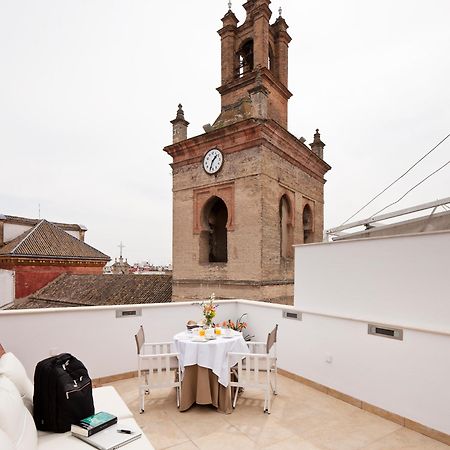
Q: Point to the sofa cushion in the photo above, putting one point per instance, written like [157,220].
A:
[12,368]
[15,420]
[5,441]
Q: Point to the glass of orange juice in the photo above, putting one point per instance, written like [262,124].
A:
[218,330]
[201,332]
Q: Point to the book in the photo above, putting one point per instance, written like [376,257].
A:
[93,424]
[112,437]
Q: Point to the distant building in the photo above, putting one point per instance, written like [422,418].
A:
[70,290]
[38,251]
[121,266]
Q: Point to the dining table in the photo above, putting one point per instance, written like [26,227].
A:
[205,367]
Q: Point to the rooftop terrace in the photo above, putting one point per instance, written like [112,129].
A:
[344,388]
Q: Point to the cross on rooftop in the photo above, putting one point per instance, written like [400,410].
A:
[121,246]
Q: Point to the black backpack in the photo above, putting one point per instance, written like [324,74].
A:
[62,393]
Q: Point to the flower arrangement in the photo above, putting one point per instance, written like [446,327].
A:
[239,325]
[209,310]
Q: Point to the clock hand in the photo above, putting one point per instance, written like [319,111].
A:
[212,162]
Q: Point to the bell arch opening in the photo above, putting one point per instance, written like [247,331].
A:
[286,232]
[245,58]
[307,225]
[213,237]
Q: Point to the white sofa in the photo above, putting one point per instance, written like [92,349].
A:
[17,428]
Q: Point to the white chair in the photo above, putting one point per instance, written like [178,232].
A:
[158,367]
[257,369]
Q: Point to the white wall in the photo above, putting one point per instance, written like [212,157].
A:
[103,342]
[408,377]
[6,287]
[12,230]
[399,280]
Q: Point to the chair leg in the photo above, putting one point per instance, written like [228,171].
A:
[178,396]
[142,389]
[275,391]
[235,397]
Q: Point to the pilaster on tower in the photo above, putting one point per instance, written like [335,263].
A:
[228,40]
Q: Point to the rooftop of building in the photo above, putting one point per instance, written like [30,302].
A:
[47,240]
[70,290]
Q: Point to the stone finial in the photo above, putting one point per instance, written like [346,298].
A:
[180,112]
[179,126]
[229,5]
[317,145]
[280,11]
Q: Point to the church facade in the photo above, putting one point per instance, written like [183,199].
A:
[247,189]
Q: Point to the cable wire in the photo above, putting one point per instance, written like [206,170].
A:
[407,192]
[395,181]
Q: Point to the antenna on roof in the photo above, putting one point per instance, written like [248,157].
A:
[229,5]
[39,210]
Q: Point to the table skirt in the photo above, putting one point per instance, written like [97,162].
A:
[200,385]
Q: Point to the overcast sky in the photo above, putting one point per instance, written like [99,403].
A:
[88,89]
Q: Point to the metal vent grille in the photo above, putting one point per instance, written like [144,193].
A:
[296,315]
[128,312]
[385,331]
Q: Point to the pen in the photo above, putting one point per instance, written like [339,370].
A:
[124,431]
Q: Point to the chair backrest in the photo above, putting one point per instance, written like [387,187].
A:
[272,338]
[140,339]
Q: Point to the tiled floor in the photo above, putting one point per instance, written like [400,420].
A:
[302,418]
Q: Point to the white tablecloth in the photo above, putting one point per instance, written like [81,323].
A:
[211,354]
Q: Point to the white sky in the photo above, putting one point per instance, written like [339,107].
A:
[88,89]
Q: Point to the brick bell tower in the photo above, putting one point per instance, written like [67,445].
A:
[247,189]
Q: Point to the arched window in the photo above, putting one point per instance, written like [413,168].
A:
[307,225]
[271,60]
[285,228]
[245,55]
[213,238]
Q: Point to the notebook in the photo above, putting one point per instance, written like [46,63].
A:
[110,438]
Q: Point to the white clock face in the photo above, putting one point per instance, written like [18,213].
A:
[212,161]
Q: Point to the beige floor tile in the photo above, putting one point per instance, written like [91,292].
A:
[293,443]
[350,432]
[405,439]
[185,446]
[225,441]
[164,434]
[199,422]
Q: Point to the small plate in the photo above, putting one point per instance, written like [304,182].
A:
[210,338]
[228,337]
[199,339]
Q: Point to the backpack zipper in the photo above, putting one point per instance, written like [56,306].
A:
[76,390]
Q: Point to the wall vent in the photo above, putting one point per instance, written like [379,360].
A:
[296,315]
[128,312]
[385,331]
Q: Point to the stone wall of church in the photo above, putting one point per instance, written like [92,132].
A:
[244,237]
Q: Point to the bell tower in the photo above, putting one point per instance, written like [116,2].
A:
[246,190]
[255,62]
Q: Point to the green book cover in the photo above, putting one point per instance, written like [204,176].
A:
[94,423]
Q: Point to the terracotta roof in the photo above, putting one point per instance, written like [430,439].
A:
[46,240]
[95,290]
[31,222]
